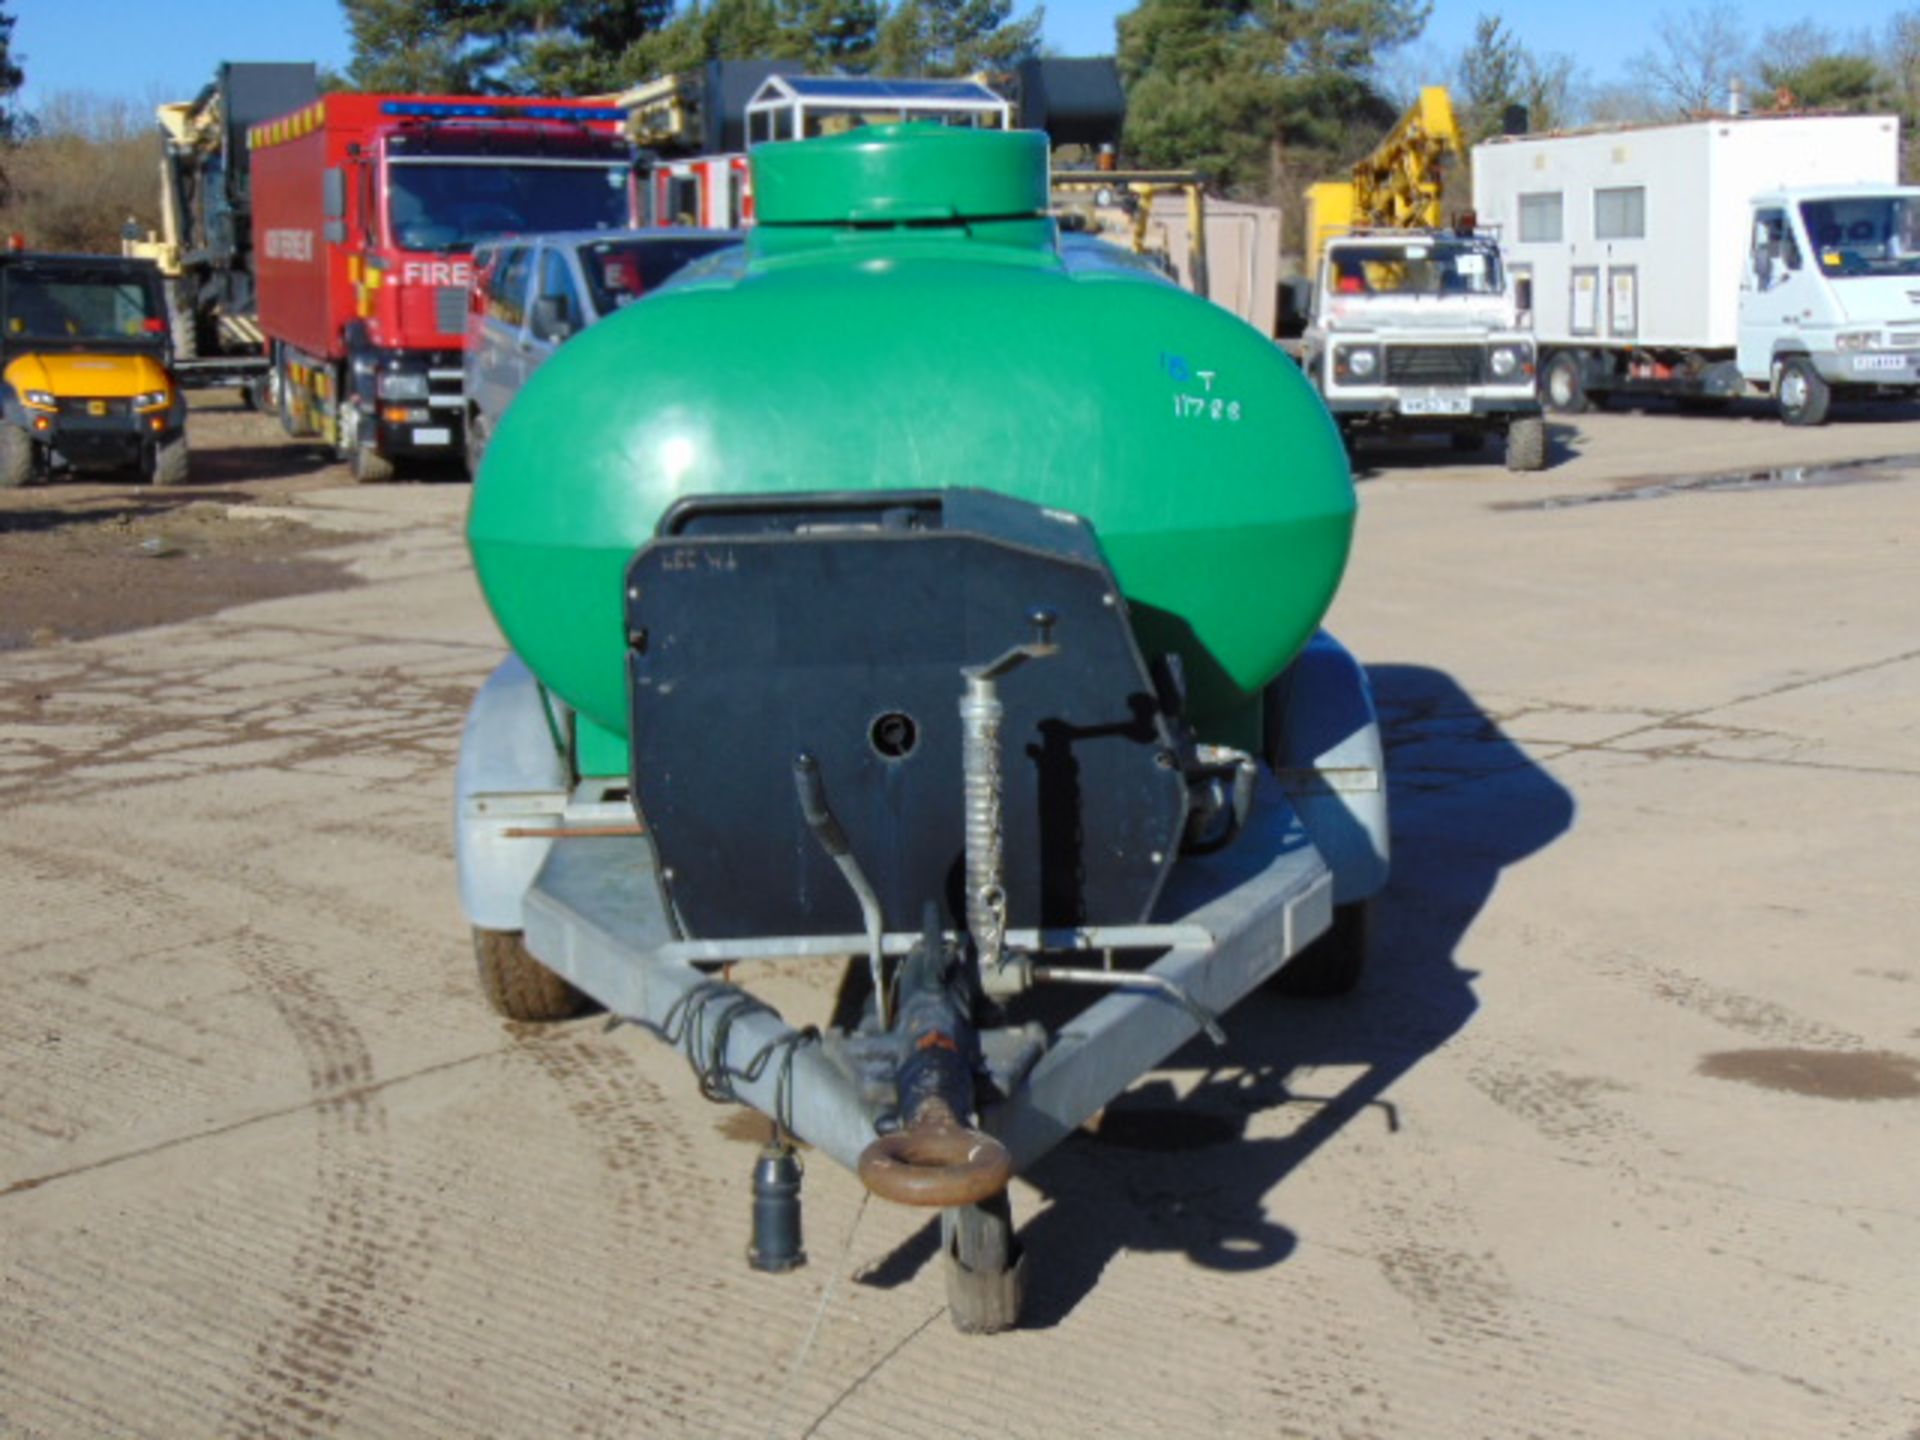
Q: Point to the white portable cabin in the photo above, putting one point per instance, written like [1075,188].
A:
[1635,236]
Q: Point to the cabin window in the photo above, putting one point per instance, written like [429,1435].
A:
[1775,254]
[1540,217]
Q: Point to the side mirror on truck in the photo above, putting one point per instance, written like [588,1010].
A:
[552,318]
[333,199]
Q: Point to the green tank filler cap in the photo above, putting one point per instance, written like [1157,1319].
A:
[902,174]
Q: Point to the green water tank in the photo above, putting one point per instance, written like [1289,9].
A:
[904,316]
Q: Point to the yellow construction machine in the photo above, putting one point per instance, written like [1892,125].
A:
[1398,185]
[1117,205]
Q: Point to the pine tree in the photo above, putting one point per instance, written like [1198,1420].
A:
[831,34]
[422,47]
[1261,95]
[12,124]
[955,37]
[1498,72]
[12,77]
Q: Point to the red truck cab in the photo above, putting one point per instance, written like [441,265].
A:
[366,209]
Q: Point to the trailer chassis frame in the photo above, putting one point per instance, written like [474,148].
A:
[597,915]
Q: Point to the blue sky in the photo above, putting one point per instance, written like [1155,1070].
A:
[140,50]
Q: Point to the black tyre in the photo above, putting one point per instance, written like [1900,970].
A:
[16,457]
[519,986]
[986,1269]
[1564,386]
[183,326]
[293,419]
[476,446]
[170,464]
[368,465]
[1527,443]
[1802,395]
[1333,964]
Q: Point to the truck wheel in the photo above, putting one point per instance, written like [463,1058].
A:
[986,1269]
[1564,386]
[1527,443]
[182,325]
[476,446]
[1331,965]
[1802,395]
[16,457]
[368,465]
[519,986]
[169,464]
[291,419]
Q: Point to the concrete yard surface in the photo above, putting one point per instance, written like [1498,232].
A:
[1617,1137]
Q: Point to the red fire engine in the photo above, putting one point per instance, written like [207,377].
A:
[365,210]
[713,192]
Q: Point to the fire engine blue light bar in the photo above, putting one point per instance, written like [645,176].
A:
[443,110]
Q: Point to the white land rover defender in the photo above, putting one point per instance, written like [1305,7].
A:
[1419,331]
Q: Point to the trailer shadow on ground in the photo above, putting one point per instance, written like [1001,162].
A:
[1189,1160]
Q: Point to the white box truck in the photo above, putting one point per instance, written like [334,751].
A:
[1712,258]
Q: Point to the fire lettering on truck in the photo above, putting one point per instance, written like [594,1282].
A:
[435,272]
[289,244]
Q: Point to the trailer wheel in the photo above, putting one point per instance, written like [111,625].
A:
[1802,395]
[1527,443]
[1565,385]
[1333,964]
[519,986]
[170,463]
[986,1268]
[16,457]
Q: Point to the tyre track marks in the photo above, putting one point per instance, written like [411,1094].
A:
[365,1240]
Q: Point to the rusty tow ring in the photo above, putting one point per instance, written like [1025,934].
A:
[934,1160]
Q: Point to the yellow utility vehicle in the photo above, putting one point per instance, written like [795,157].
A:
[84,378]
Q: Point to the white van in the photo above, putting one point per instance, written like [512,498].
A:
[529,293]
[1714,258]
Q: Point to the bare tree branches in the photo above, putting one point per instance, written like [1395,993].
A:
[1697,58]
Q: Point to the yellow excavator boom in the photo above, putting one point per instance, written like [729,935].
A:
[1397,186]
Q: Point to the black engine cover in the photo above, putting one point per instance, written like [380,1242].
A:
[838,625]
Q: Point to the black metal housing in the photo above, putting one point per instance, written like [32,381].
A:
[764,626]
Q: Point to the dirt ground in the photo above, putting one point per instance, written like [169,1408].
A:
[95,555]
[1615,1139]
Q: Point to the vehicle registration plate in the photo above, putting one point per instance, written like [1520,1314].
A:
[1436,402]
[1880,362]
[439,435]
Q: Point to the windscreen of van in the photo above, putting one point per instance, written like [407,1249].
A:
[619,272]
[1865,234]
